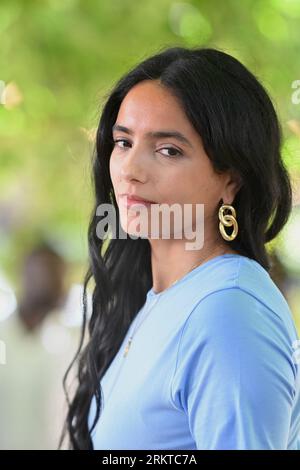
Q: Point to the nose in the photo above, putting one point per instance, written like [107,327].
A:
[133,165]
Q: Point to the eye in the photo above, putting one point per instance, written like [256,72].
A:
[120,140]
[176,152]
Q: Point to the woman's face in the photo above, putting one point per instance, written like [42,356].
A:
[163,169]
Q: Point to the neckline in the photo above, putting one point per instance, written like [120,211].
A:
[153,295]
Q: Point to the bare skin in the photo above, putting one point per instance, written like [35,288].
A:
[145,166]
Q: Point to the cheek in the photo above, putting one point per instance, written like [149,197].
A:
[186,186]
[205,191]
[197,186]
[173,184]
[113,169]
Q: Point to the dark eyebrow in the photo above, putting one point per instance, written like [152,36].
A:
[156,134]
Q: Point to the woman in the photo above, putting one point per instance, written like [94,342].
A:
[188,348]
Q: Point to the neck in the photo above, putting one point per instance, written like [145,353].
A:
[170,261]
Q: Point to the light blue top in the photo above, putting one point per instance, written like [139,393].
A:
[212,366]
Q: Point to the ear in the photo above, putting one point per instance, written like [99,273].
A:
[232,184]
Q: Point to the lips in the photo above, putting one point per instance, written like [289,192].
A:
[129,200]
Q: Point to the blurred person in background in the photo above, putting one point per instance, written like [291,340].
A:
[37,347]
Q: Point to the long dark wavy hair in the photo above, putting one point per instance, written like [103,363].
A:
[238,124]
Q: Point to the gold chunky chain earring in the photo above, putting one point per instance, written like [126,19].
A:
[228,220]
